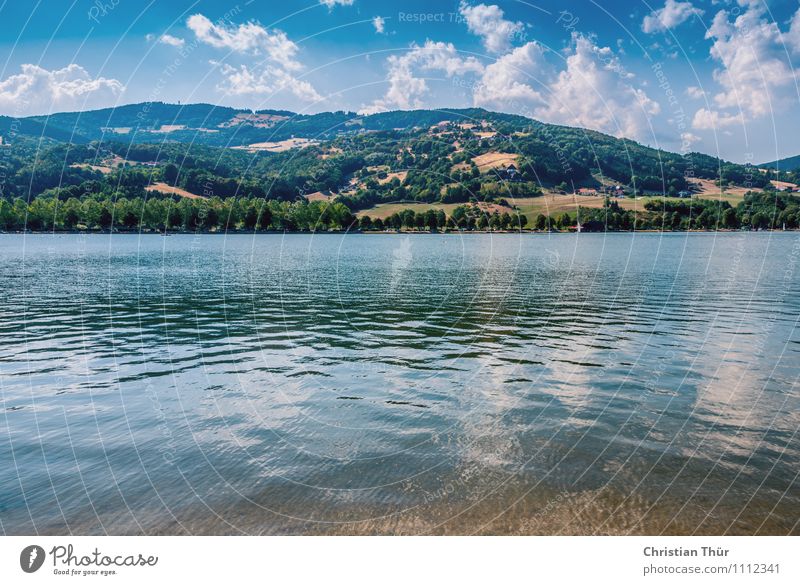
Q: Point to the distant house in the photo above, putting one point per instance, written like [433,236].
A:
[684,194]
[510,173]
[587,191]
[617,190]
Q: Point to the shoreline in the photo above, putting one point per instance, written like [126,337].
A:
[374,232]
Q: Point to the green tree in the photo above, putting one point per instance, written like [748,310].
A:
[190,216]
[759,221]
[250,217]
[432,219]
[71,213]
[129,213]
[459,216]
[409,219]
[174,216]
[170,173]
[210,219]
[7,216]
[105,216]
[441,219]
[265,217]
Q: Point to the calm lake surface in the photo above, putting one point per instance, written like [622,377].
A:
[369,384]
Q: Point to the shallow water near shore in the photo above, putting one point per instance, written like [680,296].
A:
[389,384]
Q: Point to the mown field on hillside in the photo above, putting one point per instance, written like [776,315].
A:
[550,204]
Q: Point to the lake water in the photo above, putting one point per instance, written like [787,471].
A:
[423,384]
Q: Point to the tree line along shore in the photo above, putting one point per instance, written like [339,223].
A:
[757,211]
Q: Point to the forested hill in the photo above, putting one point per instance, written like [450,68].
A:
[445,156]
[207,124]
[218,125]
[223,126]
[791,163]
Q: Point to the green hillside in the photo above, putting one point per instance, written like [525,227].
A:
[427,156]
[791,163]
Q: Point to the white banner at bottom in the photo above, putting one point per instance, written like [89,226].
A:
[380,560]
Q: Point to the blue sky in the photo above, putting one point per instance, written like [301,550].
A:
[713,76]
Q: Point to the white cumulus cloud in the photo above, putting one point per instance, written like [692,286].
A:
[695,92]
[688,140]
[754,74]
[405,88]
[332,3]
[671,15]
[36,90]
[488,23]
[171,41]
[265,81]
[249,38]
[509,81]
[166,39]
[379,23]
[594,91]
[705,119]
[793,35]
[275,72]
